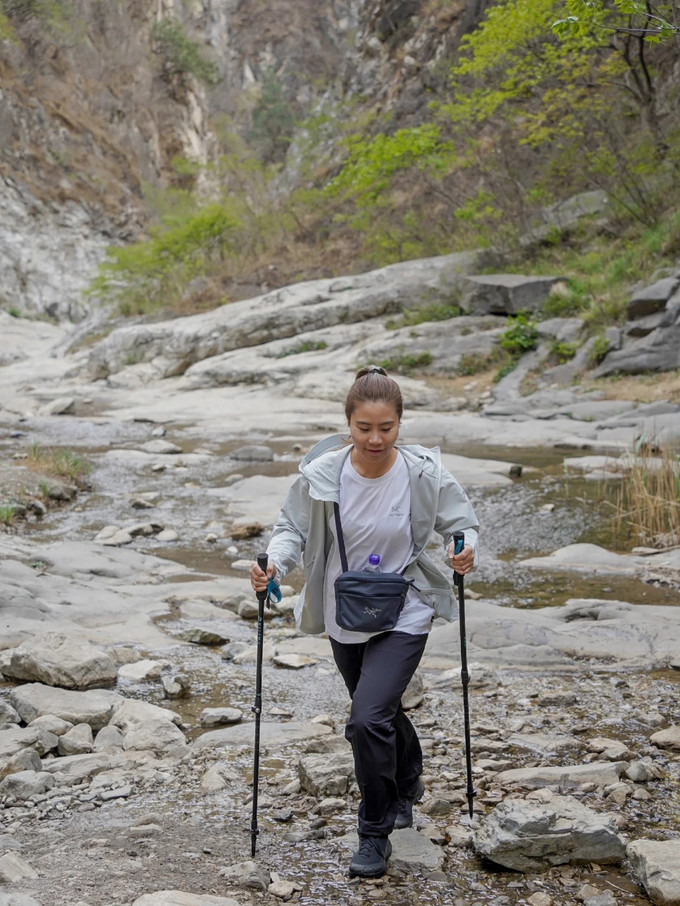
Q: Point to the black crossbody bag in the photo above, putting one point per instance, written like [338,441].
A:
[367,601]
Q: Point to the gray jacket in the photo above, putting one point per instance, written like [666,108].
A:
[302,532]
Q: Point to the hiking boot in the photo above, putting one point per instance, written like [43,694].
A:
[369,860]
[405,813]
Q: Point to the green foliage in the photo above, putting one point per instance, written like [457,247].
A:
[599,350]
[303,346]
[571,300]
[474,363]
[434,312]
[563,351]
[58,461]
[656,22]
[181,55]
[7,513]
[407,363]
[272,120]
[521,334]
[152,273]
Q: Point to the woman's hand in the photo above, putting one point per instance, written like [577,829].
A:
[462,562]
[258,579]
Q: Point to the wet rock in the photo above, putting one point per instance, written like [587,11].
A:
[177,686]
[667,739]
[657,865]
[525,835]
[77,741]
[200,636]
[57,660]
[14,868]
[220,717]
[249,875]
[326,775]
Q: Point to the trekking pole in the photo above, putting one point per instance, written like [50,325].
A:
[459,542]
[262,560]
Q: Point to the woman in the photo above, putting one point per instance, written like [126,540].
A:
[390,499]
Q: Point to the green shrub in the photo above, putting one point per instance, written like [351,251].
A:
[7,511]
[406,364]
[599,350]
[180,54]
[563,351]
[474,363]
[521,334]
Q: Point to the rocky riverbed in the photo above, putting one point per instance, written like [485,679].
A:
[128,638]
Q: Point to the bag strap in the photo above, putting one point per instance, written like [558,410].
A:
[341,538]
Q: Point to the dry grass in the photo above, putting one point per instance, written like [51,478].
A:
[648,499]
[56,463]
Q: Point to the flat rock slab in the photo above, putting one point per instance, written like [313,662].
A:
[182,898]
[657,865]
[533,836]
[272,735]
[57,660]
[602,773]
[411,851]
[94,706]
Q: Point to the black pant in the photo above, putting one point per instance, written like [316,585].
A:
[388,759]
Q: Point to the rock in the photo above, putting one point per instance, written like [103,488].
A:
[160,447]
[25,760]
[200,636]
[63,405]
[412,852]
[130,713]
[283,890]
[657,865]
[246,530]
[253,453]
[14,739]
[524,835]
[140,671]
[25,784]
[563,777]
[643,771]
[293,661]
[52,724]
[326,775]
[504,294]
[57,660]
[77,741]
[8,714]
[413,697]
[272,735]
[159,736]
[667,739]
[220,717]
[249,875]
[78,768]
[177,686]
[167,535]
[13,868]
[109,739]
[182,898]
[651,299]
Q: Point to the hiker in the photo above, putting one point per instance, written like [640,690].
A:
[366,503]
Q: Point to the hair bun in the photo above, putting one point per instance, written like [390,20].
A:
[370,369]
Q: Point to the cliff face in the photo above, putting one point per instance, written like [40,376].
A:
[91,112]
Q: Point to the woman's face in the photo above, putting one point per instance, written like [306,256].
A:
[374,428]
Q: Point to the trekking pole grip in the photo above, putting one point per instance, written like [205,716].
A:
[458,545]
[262,561]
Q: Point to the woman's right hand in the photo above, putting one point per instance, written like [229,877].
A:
[258,579]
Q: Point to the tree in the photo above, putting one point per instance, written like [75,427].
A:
[654,22]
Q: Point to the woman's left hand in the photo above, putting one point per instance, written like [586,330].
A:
[462,562]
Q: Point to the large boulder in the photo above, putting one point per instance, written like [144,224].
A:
[57,660]
[505,294]
[524,835]
[94,707]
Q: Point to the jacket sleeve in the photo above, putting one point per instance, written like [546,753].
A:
[289,535]
[455,513]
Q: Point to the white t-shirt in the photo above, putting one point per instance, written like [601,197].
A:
[376,519]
